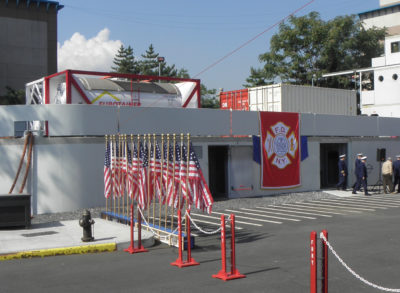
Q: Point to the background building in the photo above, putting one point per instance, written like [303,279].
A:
[28,41]
[388,15]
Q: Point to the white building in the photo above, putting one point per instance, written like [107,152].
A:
[388,15]
[380,84]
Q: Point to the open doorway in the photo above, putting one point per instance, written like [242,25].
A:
[329,158]
[218,171]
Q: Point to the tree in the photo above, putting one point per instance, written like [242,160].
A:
[149,64]
[13,97]
[209,97]
[125,61]
[306,47]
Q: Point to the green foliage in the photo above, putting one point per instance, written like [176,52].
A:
[13,97]
[125,61]
[307,47]
[149,65]
[209,97]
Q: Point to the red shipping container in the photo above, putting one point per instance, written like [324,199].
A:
[235,100]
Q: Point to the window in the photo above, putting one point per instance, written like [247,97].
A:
[395,47]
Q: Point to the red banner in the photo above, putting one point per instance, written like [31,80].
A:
[280,156]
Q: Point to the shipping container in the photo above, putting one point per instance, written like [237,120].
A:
[292,98]
[235,100]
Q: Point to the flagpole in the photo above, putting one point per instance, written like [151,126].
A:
[119,172]
[187,171]
[173,183]
[155,177]
[180,182]
[110,180]
[126,175]
[122,174]
[114,143]
[166,183]
[148,176]
[129,198]
[161,180]
[138,167]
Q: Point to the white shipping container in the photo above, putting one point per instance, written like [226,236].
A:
[303,99]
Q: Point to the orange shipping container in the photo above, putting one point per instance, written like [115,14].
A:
[235,100]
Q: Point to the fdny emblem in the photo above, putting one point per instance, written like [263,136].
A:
[280,145]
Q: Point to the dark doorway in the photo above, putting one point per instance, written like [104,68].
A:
[218,171]
[329,158]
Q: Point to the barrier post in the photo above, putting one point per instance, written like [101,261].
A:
[190,261]
[222,273]
[234,273]
[324,269]
[313,262]
[131,249]
[179,261]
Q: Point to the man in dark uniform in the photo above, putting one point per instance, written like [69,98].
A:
[362,172]
[342,173]
[396,173]
[357,164]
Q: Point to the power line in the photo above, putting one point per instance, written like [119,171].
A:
[252,39]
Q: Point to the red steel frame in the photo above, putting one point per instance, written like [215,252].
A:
[70,81]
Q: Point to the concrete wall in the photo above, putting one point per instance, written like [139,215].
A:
[67,167]
[28,42]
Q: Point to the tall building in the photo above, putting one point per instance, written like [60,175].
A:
[387,15]
[28,41]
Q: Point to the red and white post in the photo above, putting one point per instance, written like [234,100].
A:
[234,273]
[313,262]
[179,261]
[131,249]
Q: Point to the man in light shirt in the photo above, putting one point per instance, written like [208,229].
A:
[387,174]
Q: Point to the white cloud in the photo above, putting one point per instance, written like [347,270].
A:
[94,54]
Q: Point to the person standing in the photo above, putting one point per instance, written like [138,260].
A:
[387,173]
[362,174]
[396,171]
[342,173]
[356,171]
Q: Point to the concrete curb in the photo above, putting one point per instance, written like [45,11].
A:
[106,247]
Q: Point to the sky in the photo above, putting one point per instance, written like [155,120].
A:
[216,41]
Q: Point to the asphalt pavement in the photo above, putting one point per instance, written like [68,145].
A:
[274,257]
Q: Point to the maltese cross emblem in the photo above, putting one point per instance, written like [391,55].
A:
[280,145]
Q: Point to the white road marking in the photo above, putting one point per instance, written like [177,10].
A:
[247,223]
[265,216]
[325,210]
[350,205]
[290,210]
[358,203]
[331,207]
[277,213]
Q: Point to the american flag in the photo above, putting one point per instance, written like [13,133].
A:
[107,171]
[170,176]
[143,164]
[135,173]
[115,168]
[165,176]
[123,168]
[197,185]
[129,171]
[155,170]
